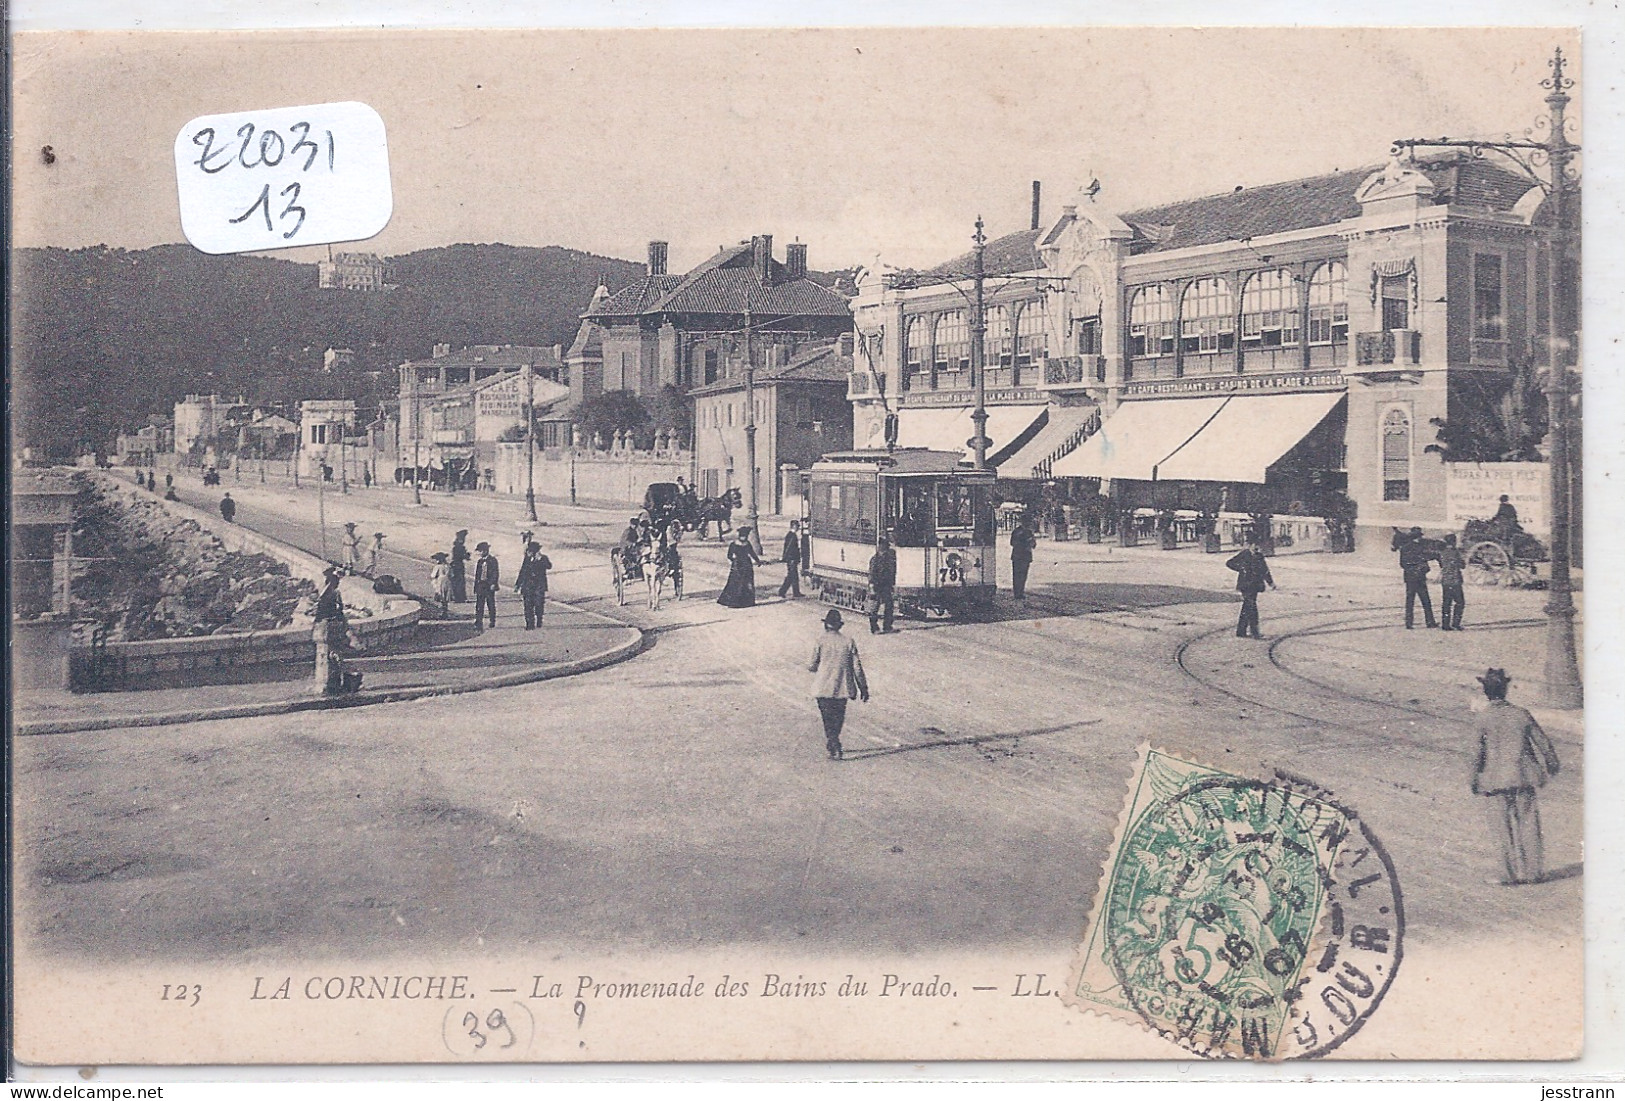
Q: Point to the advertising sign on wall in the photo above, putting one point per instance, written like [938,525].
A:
[1473,492]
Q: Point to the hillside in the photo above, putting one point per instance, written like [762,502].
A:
[102,337]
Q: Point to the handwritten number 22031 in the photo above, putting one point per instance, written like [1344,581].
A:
[269,151]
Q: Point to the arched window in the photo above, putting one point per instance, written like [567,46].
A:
[1269,310]
[1329,304]
[1151,322]
[996,340]
[914,344]
[1032,342]
[951,342]
[1396,455]
[1207,320]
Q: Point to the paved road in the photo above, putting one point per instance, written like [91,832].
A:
[682,800]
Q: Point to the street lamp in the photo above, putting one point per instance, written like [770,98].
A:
[1563,684]
[977,299]
[530,447]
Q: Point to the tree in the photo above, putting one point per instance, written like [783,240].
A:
[1500,420]
[610,412]
[671,409]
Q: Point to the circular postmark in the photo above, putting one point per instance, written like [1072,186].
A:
[1253,919]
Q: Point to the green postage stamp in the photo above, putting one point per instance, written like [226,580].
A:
[1239,916]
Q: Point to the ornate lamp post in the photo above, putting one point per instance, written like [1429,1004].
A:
[1557,153]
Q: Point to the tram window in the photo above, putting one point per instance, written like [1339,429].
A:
[845,511]
[953,505]
[913,527]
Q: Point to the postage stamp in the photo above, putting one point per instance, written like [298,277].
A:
[1239,916]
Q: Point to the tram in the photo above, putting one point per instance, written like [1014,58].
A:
[937,511]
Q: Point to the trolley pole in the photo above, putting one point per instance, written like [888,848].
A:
[530,447]
[750,437]
[978,328]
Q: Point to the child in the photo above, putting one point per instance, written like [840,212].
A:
[440,581]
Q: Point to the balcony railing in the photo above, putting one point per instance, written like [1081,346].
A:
[1393,346]
[1072,370]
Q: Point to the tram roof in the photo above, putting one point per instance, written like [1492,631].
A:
[902,460]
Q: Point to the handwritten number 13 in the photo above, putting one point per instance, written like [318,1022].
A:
[263,204]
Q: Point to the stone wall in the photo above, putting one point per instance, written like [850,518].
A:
[601,477]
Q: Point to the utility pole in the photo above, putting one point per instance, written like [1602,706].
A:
[417,436]
[321,500]
[344,457]
[750,436]
[978,329]
[530,447]
[1563,685]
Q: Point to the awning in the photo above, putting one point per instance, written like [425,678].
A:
[1248,436]
[1228,439]
[1032,461]
[1008,426]
[1133,441]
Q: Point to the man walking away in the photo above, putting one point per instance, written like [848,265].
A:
[532,584]
[1022,542]
[1252,574]
[1413,564]
[486,578]
[228,509]
[882,586]
[1452,597]
[1515,757]
[837,677]
[792,561]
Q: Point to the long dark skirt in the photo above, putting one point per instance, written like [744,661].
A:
[459,584]
[740,591]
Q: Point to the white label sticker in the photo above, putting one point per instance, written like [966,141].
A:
[256,180]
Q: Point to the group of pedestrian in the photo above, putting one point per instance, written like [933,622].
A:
[449,580]
[1416,555]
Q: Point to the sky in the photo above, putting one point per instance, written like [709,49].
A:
[864,143]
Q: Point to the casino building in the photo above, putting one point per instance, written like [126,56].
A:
[1284,349]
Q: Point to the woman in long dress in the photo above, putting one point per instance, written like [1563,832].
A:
[740,591]
[459,576]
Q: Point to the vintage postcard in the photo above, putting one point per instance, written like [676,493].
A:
[1015,543]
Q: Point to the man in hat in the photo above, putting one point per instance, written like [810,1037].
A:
[1252,574]
[882,586]
[375,552]
[228,509]
[487,576]
[1515,757]
[1452,596]
[328,630]
[1414,553]
[1022,543]
[837,677]
[440,581]
[532,583]
[352,548]
[792,561]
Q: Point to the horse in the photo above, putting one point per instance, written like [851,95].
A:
[720,510]
[660,562]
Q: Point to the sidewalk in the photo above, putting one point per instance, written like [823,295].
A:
[447,656]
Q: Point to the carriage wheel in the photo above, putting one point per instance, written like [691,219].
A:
[619,573]
[1488,564]
[1521,575]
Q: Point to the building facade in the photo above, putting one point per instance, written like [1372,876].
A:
[327,435]
[351,271]
[1280,349]
[200,419]
[683,330]
[801,413]
[454,407]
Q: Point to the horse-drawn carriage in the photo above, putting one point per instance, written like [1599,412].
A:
[655,564]
[1499,552]
[667,503]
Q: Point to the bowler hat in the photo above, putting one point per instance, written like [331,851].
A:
[832,618]
[482,546]
[1494,678]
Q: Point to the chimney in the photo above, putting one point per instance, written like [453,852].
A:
[762,258]
[795,261]
[1037,188]
[657,258]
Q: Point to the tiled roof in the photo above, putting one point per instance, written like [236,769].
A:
[1250,212]
[632,300]
[494,355]
[815,363]
[1014,252]
[724,284]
